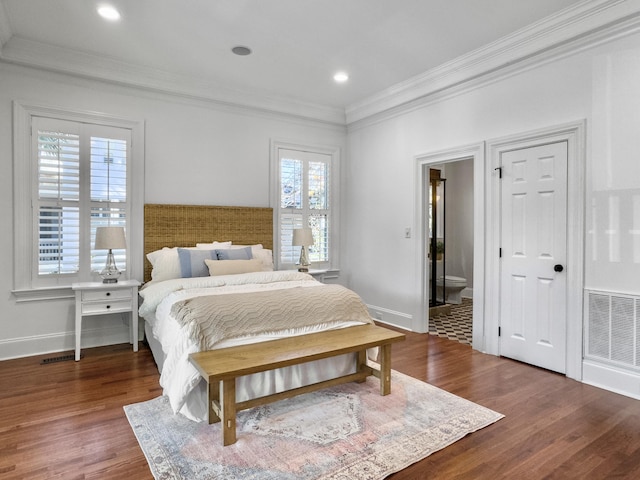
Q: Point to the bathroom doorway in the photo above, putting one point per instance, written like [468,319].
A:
[475,155]
[450,254]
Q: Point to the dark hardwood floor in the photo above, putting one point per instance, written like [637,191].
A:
[65,420]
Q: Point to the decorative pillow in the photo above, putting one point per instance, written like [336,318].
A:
[192,262]
[266,257]
[165,264]
[233,267]
[257,251]
[234,254]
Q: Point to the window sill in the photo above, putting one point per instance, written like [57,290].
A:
[38,294]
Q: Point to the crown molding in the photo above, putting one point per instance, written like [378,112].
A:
[38,55]
[581,25]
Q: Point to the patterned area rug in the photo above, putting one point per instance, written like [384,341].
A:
[344,432]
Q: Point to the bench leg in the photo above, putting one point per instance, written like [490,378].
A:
[229,412]
[214,398]
[362,363]
[385,369]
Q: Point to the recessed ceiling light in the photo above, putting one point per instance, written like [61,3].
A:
[341,77]
[240,50]
[108,13]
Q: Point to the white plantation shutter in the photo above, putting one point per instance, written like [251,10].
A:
[288,221]
[58,196]
[304,186]
[319,224]
[108,193]
[82,183]
[58,240]
[58,164]
[318,202]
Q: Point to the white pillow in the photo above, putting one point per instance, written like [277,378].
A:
[223,245]
[233,267]
[165,264]
[214,245]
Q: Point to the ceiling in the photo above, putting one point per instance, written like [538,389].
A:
[297,44]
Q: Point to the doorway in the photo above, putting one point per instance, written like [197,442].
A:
[450,222]
[473,156]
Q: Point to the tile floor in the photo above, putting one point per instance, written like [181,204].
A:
[455,326]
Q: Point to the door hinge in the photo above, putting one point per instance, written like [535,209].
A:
[500,252]
[499,331]
[499,171]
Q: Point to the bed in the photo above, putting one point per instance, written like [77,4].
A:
[210,283]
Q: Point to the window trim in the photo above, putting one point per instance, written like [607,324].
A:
[334,196]
[23,184]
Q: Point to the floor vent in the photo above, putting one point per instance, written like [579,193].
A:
[63,358]
[613,328]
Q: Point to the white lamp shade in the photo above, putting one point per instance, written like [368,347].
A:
[302,237]
[110,238]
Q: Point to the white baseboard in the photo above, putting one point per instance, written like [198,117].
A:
[390,317]
[62,342]
[611,378]
[467,293]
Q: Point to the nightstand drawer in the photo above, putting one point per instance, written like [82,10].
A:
[106,307]
[115,294]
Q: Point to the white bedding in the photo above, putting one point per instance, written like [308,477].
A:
[180,380]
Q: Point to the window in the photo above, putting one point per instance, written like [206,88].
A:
[76,174]
[68,207]
[304,181]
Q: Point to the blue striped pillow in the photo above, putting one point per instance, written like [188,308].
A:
[192,262]
[235,254]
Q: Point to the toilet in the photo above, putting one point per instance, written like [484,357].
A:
[453,287]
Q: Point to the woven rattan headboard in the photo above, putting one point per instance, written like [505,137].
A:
[186,225]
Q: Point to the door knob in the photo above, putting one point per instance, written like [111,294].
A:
[558,268]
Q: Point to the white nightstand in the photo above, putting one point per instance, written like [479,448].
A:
[325,275]
[97,298]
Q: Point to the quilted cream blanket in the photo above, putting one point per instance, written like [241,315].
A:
[208,320]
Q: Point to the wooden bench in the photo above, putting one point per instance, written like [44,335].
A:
[221,367]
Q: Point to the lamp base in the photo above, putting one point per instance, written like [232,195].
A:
[110,272]
[304,260]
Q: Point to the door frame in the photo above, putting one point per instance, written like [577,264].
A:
[476,153]
[574,134]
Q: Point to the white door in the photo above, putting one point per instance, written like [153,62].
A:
[533,311]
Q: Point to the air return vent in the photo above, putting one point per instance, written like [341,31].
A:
[613,328]
[63,358]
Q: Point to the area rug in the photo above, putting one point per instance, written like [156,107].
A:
[344,432]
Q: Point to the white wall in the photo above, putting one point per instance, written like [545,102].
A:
[196,153]
[382,203]
[613,212]
[601,85]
